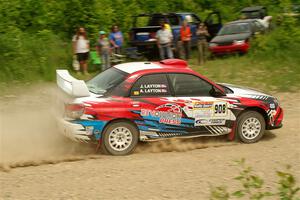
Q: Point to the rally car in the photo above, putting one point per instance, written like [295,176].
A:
[147,101]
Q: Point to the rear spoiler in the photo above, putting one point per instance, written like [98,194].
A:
[71,85]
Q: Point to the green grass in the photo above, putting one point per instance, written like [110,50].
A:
[274,74]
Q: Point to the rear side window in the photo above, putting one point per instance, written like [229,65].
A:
[173,20]
[258,26]
[157,19]
[151,85]
[189,85]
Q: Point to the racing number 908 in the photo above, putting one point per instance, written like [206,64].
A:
[220,108]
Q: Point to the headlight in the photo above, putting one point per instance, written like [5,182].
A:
[276,101]
[238,42]
[213,44]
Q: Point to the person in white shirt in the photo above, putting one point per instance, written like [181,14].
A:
[81,48]
[164,39]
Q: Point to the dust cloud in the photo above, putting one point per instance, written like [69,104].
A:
[28,132]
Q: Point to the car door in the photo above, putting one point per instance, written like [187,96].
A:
[159,116]
[210,115]
[214,23]
[259,28]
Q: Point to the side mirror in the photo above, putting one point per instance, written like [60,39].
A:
[215,92]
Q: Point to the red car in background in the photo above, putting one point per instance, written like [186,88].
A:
[235,36]
[147,101]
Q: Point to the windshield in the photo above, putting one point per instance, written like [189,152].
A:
[252,15]
[106,80]
[235,29]
[155,20]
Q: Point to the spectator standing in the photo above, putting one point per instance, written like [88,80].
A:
[185,35]
[116,39]
[81,48]
[103,48]
[167,25]
[164,38]
[202,35]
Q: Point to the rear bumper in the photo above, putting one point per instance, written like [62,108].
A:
[143,43]
[243,48]
[75,132]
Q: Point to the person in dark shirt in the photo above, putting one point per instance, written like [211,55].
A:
[202,35]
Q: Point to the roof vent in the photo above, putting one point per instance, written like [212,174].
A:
[175,62]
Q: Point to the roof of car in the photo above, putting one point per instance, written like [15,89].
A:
[252,8]
[242,21]
[133,67]
[162,14]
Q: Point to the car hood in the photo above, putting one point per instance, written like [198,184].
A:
[245,91]
[230,38]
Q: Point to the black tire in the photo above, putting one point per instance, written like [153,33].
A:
[122,144]
[250,127]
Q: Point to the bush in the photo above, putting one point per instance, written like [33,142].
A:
[252,186]
[26,56]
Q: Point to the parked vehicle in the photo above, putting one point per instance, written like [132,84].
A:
[254,12]
[145,26]
[148,101]
[235,36]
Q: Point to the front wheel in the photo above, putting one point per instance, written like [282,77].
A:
[250,127]
[119,138]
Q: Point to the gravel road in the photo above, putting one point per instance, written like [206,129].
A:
[37,163]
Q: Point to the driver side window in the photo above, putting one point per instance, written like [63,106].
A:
[189,85]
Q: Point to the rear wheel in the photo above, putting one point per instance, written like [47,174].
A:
[119,138]
[251,127]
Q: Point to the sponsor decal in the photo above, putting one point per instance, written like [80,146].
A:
[167,114]
[203,105]
[205,122]
[148,86]
[136,93]
[202,113]
[202,109]
[153,88]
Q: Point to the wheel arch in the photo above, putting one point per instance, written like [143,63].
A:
[260,111]
[120,120]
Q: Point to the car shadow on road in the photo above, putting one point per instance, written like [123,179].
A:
[268,136]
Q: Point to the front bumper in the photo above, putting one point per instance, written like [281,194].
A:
[75,132]
[277,121]
[230,48]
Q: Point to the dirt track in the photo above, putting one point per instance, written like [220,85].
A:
[169,170]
